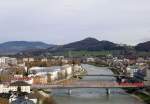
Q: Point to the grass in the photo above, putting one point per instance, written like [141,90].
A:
[144,97]
[84,53]
[143,54]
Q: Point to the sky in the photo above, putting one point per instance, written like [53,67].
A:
[64,21]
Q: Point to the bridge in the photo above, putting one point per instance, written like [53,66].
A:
[114,75]
[88,84]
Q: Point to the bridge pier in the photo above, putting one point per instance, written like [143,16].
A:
[107,91]
[69,91]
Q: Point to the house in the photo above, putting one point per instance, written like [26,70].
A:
[131,70]
[40,79]
[65,61]
[6,88]
[28,80]
[25,87]
[22,98]
[58,57]
[90,59]
[77,68]
[69,70]
[8,60]
[28,59]
[44,59]
[147,77]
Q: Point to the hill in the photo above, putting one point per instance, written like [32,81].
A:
[13,47]
[88,44]
[145,46]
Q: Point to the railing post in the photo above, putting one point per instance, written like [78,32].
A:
[107,91]
[69,91]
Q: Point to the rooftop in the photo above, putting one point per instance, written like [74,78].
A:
[19,83]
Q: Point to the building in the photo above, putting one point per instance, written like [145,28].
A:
[28,59]
[5,88]
[131,70]
[40,79]
[28,80]
[68,69]
[58,57]
[44,59]
[147,77]
[20,98]
[8,60]
[41,74]
[90,59]
[25,87]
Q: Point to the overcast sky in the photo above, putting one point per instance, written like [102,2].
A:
[64,21]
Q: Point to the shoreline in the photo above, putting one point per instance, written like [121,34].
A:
[43,97]
[137,95]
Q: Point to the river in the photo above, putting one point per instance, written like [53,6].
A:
[94,96]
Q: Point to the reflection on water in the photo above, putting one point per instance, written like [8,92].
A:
[94,96]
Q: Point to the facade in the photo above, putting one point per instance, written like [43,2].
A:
[40,80]
[90,59]
[147,77]
[58,57]
[44,60]
[50,74]
[14,87]
[131,70]
[8,60]
[28,59]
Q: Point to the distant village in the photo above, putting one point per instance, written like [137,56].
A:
[18,74]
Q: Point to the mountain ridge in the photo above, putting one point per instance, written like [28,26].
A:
[87,44]
[13,47]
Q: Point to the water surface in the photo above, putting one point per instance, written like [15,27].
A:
[94,96]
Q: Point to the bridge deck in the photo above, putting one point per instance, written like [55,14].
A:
[89,84]
[109,75]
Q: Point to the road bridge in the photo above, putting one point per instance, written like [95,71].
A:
[88,84]
[114,75]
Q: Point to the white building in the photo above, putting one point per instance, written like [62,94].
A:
[58,57]
[147,77]
[14,87]
[41,71]
[131,70]
[68,69]
[28,59]
[53,71]
[8,60]
[90,59]
[44,59]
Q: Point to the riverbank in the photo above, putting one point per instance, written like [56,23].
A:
[144,97]
[4,101]
[139,95]
[98,65]
[43,97]
[73,78]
